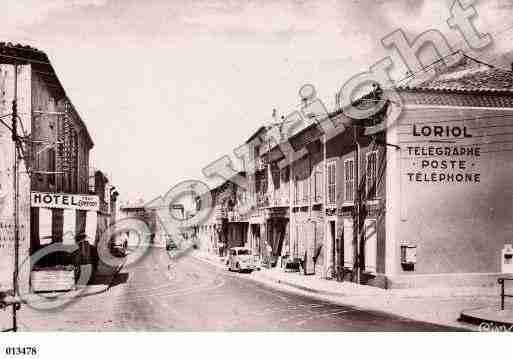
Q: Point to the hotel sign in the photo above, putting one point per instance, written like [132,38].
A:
[65,201]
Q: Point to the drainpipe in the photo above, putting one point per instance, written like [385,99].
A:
[292,218]
[356,234]
[325,201]
[16,197]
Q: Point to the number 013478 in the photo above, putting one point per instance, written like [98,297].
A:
[27,350]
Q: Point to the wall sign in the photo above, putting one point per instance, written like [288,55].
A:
[65,201]
[442,159]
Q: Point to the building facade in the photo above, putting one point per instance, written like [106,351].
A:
[449,198]
[416,195]
[99,222]
[227,226]
[432,205]
[53,152]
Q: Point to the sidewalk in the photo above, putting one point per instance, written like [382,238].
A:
[435,305]
[491,317]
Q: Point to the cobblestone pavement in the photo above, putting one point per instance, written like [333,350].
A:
[160,293]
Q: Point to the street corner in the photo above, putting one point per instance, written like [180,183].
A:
[489,319]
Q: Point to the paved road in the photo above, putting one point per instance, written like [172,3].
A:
[189,294]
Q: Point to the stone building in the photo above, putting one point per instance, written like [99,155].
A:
[448,194]
[435,205]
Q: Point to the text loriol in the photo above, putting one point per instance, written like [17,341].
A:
[441,131]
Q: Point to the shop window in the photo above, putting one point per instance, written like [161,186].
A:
[348,244]
[68,227]
[370,246]
[45,226]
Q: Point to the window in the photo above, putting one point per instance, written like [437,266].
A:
[371,174]
[370,246]
[45,226]
[332,167]
[257,152]
[257,159]
[285,185]
[51,166]
[295,248]
[296,190]
[68,153]
[275,181]
[348,241]
[304,189]
[349,180]
[317,185]
[92,180]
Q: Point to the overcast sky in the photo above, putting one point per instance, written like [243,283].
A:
[166,87]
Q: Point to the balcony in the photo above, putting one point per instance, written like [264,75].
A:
[317,198]
[220,213]
[236,216]
[279,199]
[262,200]
[260,164]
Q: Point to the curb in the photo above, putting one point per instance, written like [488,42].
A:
[263,278]
[335,296]
[301,287]
[477,317]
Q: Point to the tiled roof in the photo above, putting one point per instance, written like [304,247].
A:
[20,52]
[23,54]
[462,74]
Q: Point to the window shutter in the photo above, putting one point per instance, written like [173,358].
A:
[348,244]
[370,246]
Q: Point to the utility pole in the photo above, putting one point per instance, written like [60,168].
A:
[16,195]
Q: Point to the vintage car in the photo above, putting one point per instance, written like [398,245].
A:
[119,245]
[240,259]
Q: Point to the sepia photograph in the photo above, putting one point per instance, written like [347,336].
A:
[230,166]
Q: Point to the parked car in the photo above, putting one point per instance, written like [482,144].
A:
[119,245]
[171,244]
[257,261]
[240,259]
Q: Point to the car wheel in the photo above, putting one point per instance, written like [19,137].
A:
[237,267]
